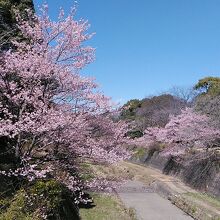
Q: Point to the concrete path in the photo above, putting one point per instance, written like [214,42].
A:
[148,204]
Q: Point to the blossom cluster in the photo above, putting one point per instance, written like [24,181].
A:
[47,108]
[185,130]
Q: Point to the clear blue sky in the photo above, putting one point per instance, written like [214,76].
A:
[147,46]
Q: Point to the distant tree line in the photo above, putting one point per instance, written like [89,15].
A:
[155,111]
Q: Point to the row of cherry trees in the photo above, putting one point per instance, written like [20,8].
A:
[186,130]
[49,112]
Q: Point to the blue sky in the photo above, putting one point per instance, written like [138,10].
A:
[144,47]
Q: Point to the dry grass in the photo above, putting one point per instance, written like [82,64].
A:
[124,171]
[213,201]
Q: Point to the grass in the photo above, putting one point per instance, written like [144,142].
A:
[214,202]
[195,204]
[108,207]
[139,152]
[124,171]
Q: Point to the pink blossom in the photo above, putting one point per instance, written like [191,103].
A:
[46,106]
[185,130]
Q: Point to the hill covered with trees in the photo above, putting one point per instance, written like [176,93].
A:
[151,112]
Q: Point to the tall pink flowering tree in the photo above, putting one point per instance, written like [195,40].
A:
[182,131]
[48,111]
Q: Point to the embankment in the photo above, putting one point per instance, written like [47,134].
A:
[198,169]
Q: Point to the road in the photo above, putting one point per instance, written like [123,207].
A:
[148,204]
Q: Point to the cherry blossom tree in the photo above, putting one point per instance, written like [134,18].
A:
[182,131]
[48,111]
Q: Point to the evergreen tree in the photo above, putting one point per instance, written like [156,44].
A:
[209,86]
[8,27]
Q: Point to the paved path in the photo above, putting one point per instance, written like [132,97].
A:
[148,204]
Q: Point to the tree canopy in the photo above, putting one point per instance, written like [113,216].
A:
[8,22]
[209,85]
